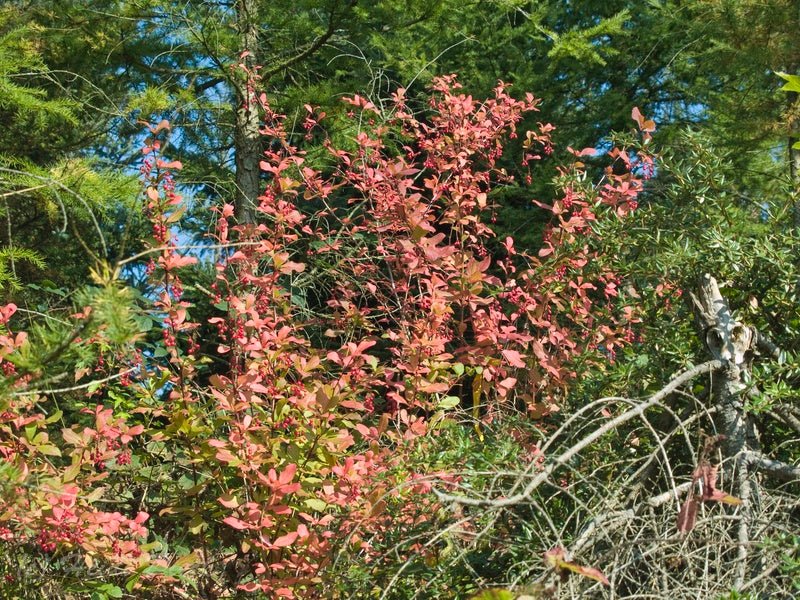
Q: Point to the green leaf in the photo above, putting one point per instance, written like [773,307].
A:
[144,323]
[449,402]
[49,450]
[111,590]
[793,82]
[132,581]
[316,504]
[494,595]
[151,546]
[197,524]
[54,417]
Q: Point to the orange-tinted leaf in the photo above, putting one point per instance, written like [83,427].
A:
[228,500]
[556,558]
[163,124]
[71,437]
[720,496]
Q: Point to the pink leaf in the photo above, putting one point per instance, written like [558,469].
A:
[285,540]
[645,125]
[584,152]
[6,312]
[235,523]
[513,358]
[287,474]
[225,456]
[176,261]
[687,517]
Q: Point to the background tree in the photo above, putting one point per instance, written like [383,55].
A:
[58,207]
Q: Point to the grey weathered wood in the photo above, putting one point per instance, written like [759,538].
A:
[731,342]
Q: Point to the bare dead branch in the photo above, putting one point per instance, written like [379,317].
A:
[781,413]
[765,345]
[564,457]
[775,468]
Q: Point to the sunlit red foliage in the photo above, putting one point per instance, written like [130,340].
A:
[301,442]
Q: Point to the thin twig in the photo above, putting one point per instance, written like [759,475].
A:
[77,387]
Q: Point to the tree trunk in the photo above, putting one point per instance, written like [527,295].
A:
[733,343]
[793,112]
[794,137]
[247,140]
[794,153]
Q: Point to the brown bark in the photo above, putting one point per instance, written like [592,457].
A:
[793,112]
[247,140]
[794,153]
